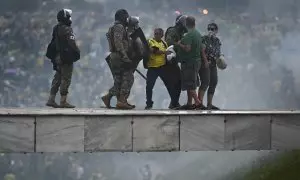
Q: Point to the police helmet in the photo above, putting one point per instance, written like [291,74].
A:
[181,20]
[134,22]
[64,16]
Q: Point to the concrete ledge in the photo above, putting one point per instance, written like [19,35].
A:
[17,134]
[113,112]
[95,130]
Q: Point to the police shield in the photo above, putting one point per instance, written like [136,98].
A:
[141,45]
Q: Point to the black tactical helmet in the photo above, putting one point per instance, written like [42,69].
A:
[64,16]
[122,16]
[181,23]
[178,17]
[181,20]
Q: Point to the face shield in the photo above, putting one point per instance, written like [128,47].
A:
[181,22]
[133,22]
[68,14]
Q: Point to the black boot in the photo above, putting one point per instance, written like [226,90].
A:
[212,107]
[106,100]
[51,102]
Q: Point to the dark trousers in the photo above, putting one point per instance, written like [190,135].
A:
[173,77]
[152,75]
[209,78]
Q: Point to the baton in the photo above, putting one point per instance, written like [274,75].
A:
[139,72]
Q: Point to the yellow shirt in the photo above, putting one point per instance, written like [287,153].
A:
[155,59]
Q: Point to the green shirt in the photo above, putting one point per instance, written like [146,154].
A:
[193,38]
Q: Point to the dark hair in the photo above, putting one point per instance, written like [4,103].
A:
[213,25]
[159,29]
[190,21]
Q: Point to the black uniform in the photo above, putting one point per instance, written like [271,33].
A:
[172,70]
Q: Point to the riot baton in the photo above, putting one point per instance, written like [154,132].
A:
[141,74]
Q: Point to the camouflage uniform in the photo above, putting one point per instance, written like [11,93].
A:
[64,67]
[121,66]
[172,70]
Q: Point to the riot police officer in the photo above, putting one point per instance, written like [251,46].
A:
[67,52]
[172,36]
[119,62]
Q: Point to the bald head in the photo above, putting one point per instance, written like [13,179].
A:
[190,22]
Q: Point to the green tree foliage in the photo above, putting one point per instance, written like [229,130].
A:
[284,166]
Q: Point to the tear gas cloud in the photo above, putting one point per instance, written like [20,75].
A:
[259,40]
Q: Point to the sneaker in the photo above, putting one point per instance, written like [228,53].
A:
[188,107]
[176,107]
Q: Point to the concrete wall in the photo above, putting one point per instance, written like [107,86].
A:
[92,130]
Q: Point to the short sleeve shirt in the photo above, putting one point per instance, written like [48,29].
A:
[194,39]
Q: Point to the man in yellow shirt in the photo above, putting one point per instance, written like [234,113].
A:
[155,64]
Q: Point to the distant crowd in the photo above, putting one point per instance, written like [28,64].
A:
[253,80]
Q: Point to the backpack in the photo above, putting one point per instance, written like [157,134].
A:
[52,51]
[67,54]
